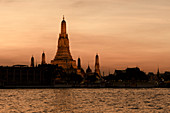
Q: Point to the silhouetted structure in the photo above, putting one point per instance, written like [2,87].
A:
[32,62]
[80,70]
[43,59]
[88,70]
[63,57]
[22,75]
[130,74]
[97,67]
[79,63]
[63,72]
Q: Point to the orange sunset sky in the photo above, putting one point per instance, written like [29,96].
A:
[125,33]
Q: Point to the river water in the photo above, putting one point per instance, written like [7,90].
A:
[102,100]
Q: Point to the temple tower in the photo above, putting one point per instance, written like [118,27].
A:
[63,56]
[97,67]
[88,70]
[80,71]
[43,59]
[32,62]
[79,64]
[158,73]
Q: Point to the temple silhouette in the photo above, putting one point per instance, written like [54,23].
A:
[63,72]
[63,56]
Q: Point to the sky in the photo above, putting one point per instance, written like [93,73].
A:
[124,33]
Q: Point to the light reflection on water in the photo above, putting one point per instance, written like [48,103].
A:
[85,100]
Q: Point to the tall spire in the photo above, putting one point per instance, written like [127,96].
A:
[63,26]
[97,67]
[79,63]
[158,73]
[97,60]
[63,56]
[43,58]
[32,61]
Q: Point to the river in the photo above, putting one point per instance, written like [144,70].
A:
[78,100]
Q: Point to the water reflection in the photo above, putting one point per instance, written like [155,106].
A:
[84,100]
[64,100]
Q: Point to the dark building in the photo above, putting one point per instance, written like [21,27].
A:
[135,74]
[22,75]
[130,74]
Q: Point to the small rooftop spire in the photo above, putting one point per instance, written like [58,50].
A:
[63,17]
[158,70]
[36,64]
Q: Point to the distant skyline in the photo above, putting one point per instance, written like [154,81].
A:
[125,33]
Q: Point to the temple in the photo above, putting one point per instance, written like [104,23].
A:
[63,72]
[63,56]
[43,58]
[32,62]
[97,67]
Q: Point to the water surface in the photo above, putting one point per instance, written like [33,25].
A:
[154,100]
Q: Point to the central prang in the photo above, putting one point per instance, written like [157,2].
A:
[63,56]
